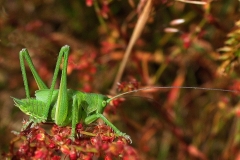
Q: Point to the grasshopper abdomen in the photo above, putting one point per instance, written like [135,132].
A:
[31,107]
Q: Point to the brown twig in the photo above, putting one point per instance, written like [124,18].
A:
[136,33]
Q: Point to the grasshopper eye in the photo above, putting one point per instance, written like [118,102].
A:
[104,103]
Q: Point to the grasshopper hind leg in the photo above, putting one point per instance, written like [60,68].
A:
[76,116]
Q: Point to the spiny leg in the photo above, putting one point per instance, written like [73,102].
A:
[62,100]
[76,116]
[41,85]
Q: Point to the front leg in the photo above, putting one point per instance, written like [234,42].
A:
[95,116]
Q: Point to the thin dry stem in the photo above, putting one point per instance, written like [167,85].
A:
[136,33]
[193,2]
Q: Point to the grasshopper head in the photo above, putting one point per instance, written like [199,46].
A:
[103,99]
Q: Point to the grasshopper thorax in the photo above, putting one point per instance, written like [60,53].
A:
[94,102]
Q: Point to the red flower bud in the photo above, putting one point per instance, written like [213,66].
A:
[65,149]
[40,136]
[73,155]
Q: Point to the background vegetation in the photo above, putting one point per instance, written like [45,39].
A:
[181,44]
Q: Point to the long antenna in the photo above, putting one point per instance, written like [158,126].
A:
[172,87]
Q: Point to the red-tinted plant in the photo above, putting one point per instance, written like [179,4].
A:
[93,141]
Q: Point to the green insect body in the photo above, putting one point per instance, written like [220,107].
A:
[62,106]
